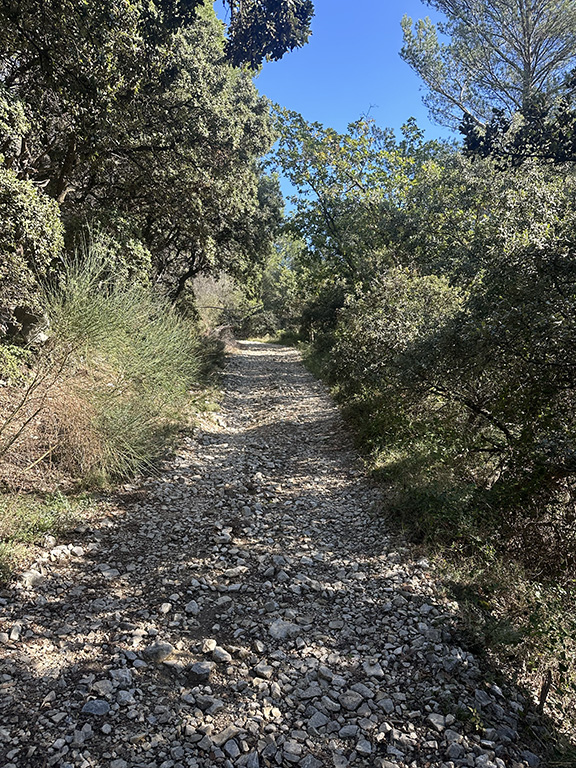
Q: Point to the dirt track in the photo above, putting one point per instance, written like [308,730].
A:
[246,608]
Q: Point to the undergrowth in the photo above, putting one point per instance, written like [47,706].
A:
[517,605]
[127,361]
[121,375]
[25,520]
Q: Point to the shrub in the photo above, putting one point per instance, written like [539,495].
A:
[115,245]
[130,363]
[30,241]
[379,329]
[386,385]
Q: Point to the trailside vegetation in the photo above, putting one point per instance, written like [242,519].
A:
[439,296]
[134,122]
[440,303]
[131,138]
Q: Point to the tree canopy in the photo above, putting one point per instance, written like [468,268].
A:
[350,187]
[59,34]
[543,130]
[267,28]
[491,54]
[135,122]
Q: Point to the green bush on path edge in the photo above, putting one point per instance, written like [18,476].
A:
[524,623]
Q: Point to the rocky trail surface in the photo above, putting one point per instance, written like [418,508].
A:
[246,608]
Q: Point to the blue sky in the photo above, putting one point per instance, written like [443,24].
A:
[350,66]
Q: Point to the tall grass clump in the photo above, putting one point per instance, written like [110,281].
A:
[131,361]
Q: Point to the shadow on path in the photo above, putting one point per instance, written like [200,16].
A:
[261,537]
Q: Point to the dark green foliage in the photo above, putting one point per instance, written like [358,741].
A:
[503,74]
[133,121]
[267,28]
[127,120]
[30,244]
[88,40]
[383,364]
[130,142]
[543,130]
[193,186]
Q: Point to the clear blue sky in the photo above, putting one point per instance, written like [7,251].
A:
[350,65]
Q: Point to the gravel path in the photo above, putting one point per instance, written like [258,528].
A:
[246,608]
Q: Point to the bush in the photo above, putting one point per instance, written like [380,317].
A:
[30,242]
[115,245]
[468,395]
[384,381]
[379,329]
[130,362]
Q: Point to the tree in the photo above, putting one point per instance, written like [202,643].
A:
[280,290]
[138,126]
[351,188]
[457,363]
[267,28]
[499,54]
[540,131]
[82,39]
[183,163]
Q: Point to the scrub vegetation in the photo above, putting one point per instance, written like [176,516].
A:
[436,295]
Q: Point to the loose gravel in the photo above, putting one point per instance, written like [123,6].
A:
[246,608]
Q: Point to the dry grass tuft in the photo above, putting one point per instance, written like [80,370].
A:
[47,435]
[27,440]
